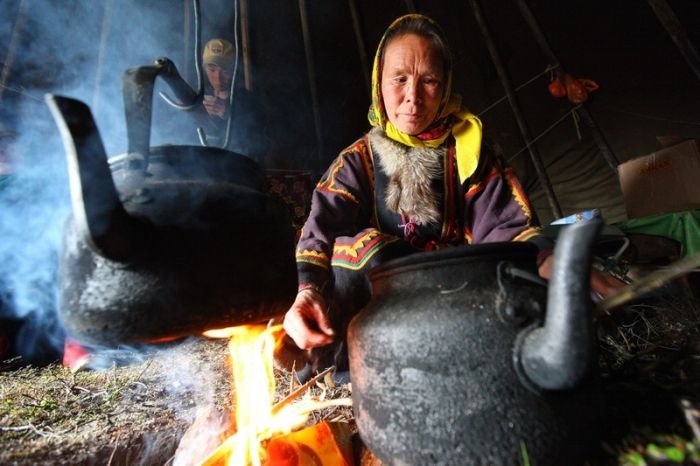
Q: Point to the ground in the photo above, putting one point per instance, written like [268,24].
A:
[649,358]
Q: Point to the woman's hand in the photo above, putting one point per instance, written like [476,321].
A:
[306,321]
[602,284]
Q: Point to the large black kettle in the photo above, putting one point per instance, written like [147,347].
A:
[461,358]
[165,241]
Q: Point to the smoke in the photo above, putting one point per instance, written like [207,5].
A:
[78,49]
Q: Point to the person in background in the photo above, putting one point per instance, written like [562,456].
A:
[218,60]
[421,179]
[247,130]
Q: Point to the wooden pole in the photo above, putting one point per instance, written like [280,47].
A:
[245,45]
[311,71]
[512,99]
[582,111]
[648,283]
[187,39]
[675,29]
[361,46]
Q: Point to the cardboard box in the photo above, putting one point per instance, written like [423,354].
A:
[664,181]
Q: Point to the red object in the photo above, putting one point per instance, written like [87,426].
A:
[576,89]
[281,453]
[75,355]
[556,88]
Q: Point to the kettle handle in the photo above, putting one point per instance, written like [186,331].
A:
[137,93]
[559,355]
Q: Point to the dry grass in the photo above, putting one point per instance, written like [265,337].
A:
[650,364]
[131,414]
[136,413]
[49,415]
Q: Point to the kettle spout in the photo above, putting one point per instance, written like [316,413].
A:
[100,218]
[559,355]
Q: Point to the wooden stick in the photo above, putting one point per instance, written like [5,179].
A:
[311,74]
[245,44]
[361,47]
[649,283]
[598,136]
[299,391]
[691,416]
[515,108]
[217,455]
[675,29]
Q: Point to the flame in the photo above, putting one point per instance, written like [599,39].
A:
[257,418]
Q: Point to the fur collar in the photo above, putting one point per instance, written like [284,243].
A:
[411,171]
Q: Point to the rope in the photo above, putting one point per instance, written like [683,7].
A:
[551,127]
[548,69]
[526,83]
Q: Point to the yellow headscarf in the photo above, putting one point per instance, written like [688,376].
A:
[464,126]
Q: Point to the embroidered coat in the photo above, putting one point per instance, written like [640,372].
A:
[378,192]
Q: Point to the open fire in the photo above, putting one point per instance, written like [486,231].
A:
[262,427]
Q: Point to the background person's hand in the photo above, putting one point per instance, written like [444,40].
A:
[306,321]
[216,106]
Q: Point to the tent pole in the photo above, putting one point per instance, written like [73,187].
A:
[582,111]
[311,71]
[245,45]
[675,29]
[12,48]
[361,46]
[187,34]
[512,99]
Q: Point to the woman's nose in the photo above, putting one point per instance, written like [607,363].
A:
[413,93]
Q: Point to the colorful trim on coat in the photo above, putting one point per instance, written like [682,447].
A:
[527,234]
[518,193]
[353,253]
[317,258]
[328,183]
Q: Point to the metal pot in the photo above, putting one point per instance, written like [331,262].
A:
[165,241]
[451,364]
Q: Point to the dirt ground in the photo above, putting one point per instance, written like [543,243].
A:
[136,413]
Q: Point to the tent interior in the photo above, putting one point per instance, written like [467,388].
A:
[307,66]
[302,92]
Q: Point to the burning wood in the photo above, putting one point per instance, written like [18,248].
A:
[263,429]
[323,444]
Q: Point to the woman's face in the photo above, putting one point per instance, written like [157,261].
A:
[412,83]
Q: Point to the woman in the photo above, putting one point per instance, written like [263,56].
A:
[419,180]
